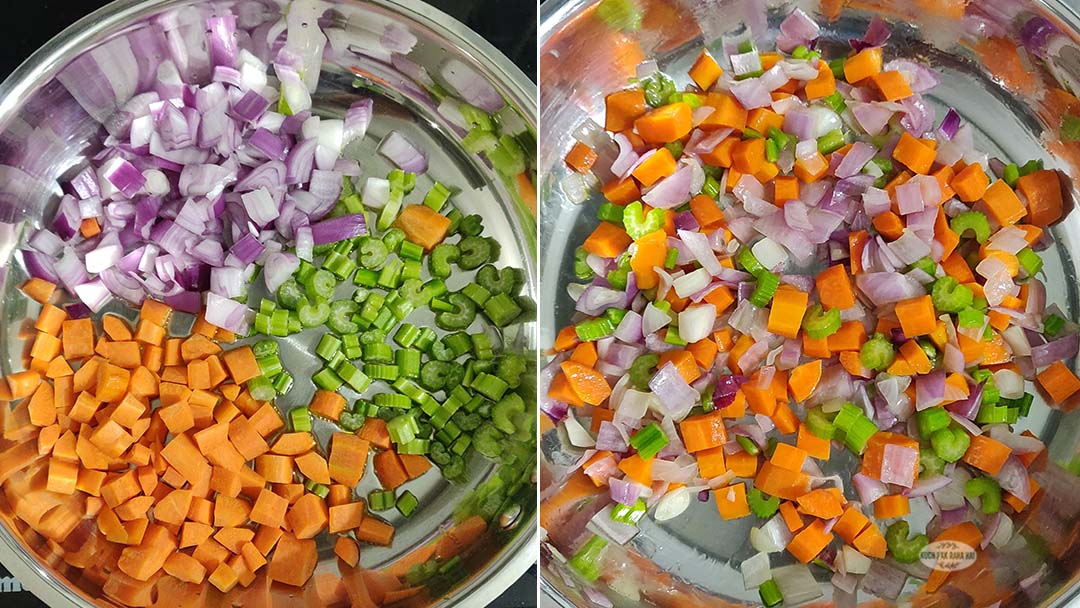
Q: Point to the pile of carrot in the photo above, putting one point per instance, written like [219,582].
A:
[792,355]
[147,447]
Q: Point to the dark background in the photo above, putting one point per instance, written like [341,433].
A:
[508,24]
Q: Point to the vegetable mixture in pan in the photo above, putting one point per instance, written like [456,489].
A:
[793,259]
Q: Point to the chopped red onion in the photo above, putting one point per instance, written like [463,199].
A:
[950,124]
[927,486]
[877,34]
[94,294]
[471,86]
[123,175]
[676,396]
[929,390]
[872,117]
[624,491]
[751,93]
[671,191]
[799,29]
[856,158]
[868,488]
[403,153]
[899,465]
[39,266]
[1062,349]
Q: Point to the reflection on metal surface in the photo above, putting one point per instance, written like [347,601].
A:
[693,560]
[45,134]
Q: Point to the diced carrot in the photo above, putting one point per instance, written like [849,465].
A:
[112,439]
[728,112]
[313,466]
[809,542]
[707,213]
[224,577]
[834,287]
[621,192]
[916,316]
[415,464]
[779,482]
[788,457]
[142,561]
[185,568]
[581,157]
[916,357]
[89,227]
[665,124]
[112,382]
[637,469]
[607,240]
[704,353]
[623,108]
[892,85]
[871,542]
[748,156]
[863,64]
[77,336]
[375,531]
[155,312]
[135,508]
[890,506]
[39,290]
[348,457]
[788,308]
[822,85]
[705,70]
[657,166]
[890,225]
[308,516]
[197,347]
[816,347]
[149,333]
[1058,382]
[1045,203]
[784,419]
[970,184]
[819,503]
[328,404]
[153,357]
[184,456]
[851,524]
[651,253]
[1003,204]
[850,336]
[791,516]
[266,420]
[711,462]
[62,477]
[230,512]
[804,379]
[389,469]
[423,225]
[241,364]
[760,400]
[346,517]
[813,445]
[731,501]
[914,154]
[587,383]
[986,454]
[703,432]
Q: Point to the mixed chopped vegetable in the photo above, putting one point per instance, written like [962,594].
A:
[178,460]
[792,259]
